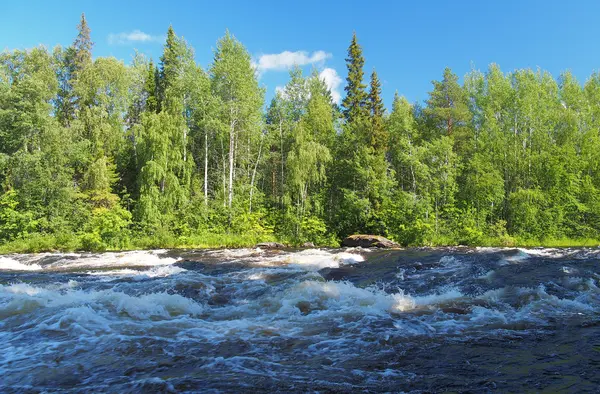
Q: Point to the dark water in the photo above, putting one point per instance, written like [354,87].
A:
[422,320]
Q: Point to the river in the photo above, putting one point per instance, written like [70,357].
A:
[326,320]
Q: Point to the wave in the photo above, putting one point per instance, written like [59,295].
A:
[155,272]
[23,298]
[9,264]
[75,261]
[310,260]
[345,298]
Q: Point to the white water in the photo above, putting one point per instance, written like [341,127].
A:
[234,315]
[9,264]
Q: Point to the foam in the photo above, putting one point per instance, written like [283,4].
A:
[23,298]
[313,260]
[345,298]
[69,261]
[155,272]
[9,264]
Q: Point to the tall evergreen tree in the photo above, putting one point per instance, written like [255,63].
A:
[355,103]
[83,46]
[171,68]
[378,133]
[150,88]
[74,61]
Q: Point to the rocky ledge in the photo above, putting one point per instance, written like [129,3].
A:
[270,245]
[369,241]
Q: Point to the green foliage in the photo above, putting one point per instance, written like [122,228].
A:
[355,102]
[14,223]
[111,226]
[378,136]
[99,155]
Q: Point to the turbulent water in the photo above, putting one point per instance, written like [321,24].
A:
[312,320]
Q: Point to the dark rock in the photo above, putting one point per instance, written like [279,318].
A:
[270,245]
[218,299]
[369,241]
[304,307]
[308,245]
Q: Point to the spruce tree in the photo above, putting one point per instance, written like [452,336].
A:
[378,135]
[354,104]
[73,60]
[150,88]
[83,46]
[169,66]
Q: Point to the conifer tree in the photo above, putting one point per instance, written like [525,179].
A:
[170,66]
[83,46]
[378,135]
[447,107]
[354,104]
[74,60]
[150,89]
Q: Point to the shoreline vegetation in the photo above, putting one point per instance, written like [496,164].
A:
[97,154]
[65,243]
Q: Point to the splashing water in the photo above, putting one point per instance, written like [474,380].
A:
[484,319]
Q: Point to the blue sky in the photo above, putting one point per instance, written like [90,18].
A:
[408,42]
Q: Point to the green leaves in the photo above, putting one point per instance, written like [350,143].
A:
[95,151]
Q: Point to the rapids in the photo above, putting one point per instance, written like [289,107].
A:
[458,319]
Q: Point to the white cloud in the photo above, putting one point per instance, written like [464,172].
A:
[333,82]
[136,36]
[286,60]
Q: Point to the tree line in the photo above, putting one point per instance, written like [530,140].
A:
[97,154]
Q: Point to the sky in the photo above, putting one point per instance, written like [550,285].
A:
[409,43]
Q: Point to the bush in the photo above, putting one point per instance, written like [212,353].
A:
[110,225]
[92,242]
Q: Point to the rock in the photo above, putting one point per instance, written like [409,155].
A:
[304,307]
[218,299]
[270,245]
[368,241]
[308,245]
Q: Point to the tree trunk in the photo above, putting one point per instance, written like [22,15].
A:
[254,171]
[206,167]
[232,145]
[185,144]
[231,149]
[281,158]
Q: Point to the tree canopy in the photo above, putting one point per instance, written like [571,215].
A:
[97,153]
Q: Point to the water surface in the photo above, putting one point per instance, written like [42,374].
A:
[417,320]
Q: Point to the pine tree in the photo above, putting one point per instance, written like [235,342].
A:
[378,135]
[354,104]
[447,107]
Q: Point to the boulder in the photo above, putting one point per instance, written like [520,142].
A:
[369,241]
[308,245]
[270,245]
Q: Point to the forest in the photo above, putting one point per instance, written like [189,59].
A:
[97,154]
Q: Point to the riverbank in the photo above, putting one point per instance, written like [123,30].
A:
[68,243]
[37,243]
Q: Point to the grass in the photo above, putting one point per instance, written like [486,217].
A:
[560,243]
[36,243]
